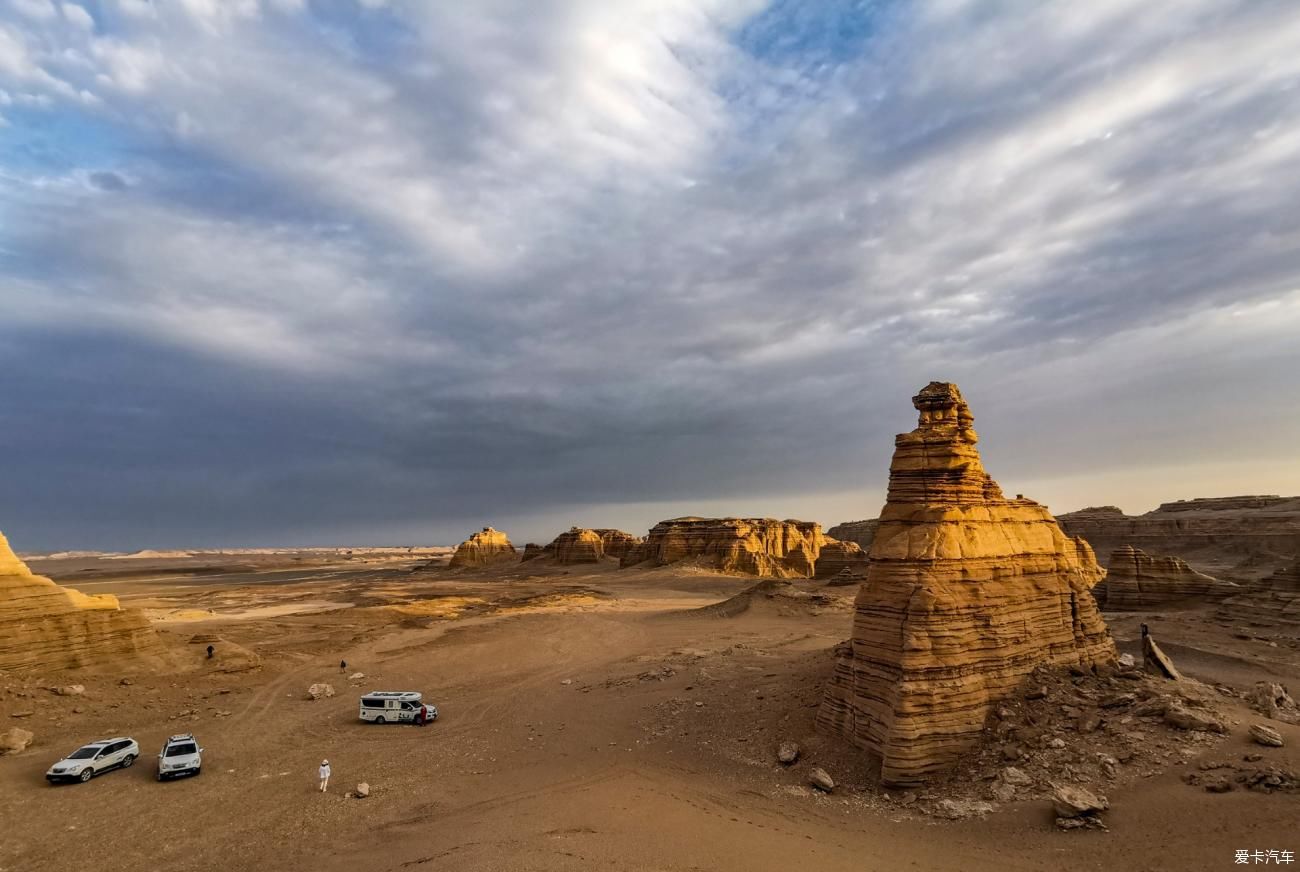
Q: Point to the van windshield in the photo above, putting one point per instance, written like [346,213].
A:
[181,750]
[85,753]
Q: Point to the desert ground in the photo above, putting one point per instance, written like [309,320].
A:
[589,717]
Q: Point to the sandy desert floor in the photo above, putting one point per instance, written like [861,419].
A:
[589,718]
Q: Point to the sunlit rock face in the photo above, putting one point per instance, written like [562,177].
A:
[754,546]
[484,548]
[860,532]
[617,542]
[1270,602]
[966,592]
[1137,581]
[46,626]
[577,545]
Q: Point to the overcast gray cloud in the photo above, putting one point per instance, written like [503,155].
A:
[287,271]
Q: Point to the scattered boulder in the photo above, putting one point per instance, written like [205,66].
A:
[69,690]
[356,676]
[821,779]
[362,791]
[1016,777]
[1069,801]
[320,690]
[15,740]
[787,753]
[956,809]
[1190,719]
[1264,735]
[1272,700]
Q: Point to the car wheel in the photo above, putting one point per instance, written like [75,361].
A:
[86,775]
[380,720]
[160,776]
[127,761]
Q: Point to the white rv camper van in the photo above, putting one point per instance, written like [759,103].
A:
[395,707]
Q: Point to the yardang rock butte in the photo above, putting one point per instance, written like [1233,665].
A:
[965,594]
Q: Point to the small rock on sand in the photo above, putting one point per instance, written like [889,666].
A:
[1188,719]
[787,753]
[1264,735]
[69,690]
[320,690]
[821,779]
[14,740]
[362,791]
[1072,802]
[356,676]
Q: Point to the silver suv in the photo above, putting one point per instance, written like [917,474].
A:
[88,761]
[181,755]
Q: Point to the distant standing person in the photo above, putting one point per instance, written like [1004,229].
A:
[324,775]
[210,650]
[343,666]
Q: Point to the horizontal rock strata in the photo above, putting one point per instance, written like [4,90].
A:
[860,532]
[1271,602]
[965,593]
[577,545]
[754,546]
[1232,538]
[484,548]
[1137,581]
[46,626]
[836,557]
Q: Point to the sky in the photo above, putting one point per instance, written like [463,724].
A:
[286,272]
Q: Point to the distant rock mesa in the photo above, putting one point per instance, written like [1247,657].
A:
[1137,581]
[46,626]
[965,593]
[1233,538]
[484,548]
[860,532]
[754,546]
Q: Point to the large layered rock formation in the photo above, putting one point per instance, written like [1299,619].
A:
[1234,538]
[966,592]
[860,532]
[756,546]
[617,542]
[577,545]
[835,557]
[1271,602]
[484,548]
[1137,581]
[46,626]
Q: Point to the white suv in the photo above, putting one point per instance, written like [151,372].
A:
[88,761]
[181,755]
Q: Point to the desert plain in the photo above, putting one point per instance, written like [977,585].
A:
[588,718]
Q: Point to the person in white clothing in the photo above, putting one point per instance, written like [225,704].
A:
[324,775]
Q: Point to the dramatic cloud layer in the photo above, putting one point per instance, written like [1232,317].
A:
[281,271]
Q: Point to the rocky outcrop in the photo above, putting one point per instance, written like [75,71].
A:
[1270,602]
[836,557]
[966,593]
[484,548]
[46,626]
[617,542]
[1137,581]
[754,546]
[577,545]
[1232,538]
[860,532]
[532,551]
